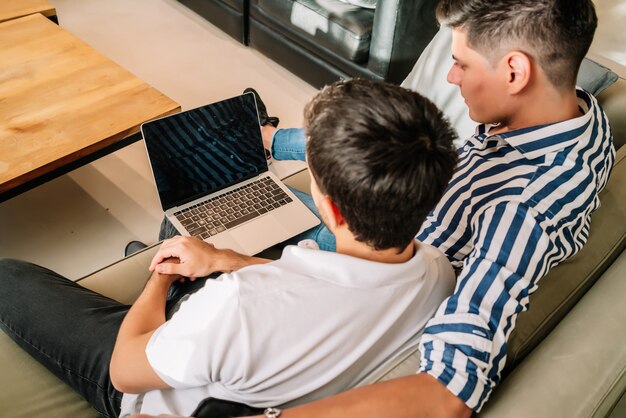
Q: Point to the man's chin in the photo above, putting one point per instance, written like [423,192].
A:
[482,120]
[474,117]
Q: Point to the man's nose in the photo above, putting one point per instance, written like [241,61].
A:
[454,75]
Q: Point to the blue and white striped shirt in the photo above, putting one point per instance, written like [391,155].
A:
[518,204]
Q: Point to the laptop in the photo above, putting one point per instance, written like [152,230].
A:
[213,180]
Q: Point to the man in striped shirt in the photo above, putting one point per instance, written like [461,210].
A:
[519,203]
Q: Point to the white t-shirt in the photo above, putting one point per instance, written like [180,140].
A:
[310,324]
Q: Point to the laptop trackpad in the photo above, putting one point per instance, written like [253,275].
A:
[260,234]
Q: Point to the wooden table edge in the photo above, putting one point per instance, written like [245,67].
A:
[79,158]
[49,13]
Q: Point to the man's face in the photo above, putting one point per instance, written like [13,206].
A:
[480,82]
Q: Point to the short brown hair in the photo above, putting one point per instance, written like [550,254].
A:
[384,154]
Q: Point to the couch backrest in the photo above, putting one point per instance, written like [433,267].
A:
[613,101]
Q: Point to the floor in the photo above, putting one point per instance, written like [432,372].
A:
[81,221]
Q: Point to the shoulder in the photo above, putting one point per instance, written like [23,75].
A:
[290,271]
[437,264]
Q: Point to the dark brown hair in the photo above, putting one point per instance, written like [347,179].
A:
[383,154]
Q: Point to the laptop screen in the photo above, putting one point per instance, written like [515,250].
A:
[203,150]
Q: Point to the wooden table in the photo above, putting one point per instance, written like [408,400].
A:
[12,9]
[63,104]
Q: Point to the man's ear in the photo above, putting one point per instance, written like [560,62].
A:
[519,70]
[333,215]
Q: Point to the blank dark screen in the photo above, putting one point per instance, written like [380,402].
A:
[204,150]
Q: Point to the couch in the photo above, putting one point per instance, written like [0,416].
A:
[324,40]
[231,16]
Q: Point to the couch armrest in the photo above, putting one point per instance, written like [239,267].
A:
[123,280]
[402,29]
[579,370]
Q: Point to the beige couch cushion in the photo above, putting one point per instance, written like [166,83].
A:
[30,390]
[123,280]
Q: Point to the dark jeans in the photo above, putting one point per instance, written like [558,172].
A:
[69,329]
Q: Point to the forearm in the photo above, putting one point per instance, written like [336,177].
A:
[148,311]
[129,363]
[413,396]
[234,261]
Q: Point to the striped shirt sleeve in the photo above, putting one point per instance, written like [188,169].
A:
[464,345]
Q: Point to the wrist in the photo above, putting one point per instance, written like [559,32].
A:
[160,280]
[233,261]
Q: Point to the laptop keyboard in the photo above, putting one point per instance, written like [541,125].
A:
[233,208]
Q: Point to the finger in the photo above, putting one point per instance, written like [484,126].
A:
[170,242]
[157,259]
[170,268]
[161,256]
[179,247]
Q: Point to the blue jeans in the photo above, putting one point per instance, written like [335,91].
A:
[290,144]
[287,144]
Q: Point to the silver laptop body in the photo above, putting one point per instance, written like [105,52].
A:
[213,180]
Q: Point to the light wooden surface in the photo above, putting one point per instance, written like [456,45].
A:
[11,9]
[61,100]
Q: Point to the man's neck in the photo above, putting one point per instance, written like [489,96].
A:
[546,107]
[358,249]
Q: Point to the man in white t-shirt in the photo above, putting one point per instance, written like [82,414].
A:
[308,325]
[312,323]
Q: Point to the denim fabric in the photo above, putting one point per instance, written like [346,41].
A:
[69,329]
[289,144]
[320,234]
[167,230]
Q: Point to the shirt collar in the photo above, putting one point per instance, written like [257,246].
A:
[541,140]
[356,272]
